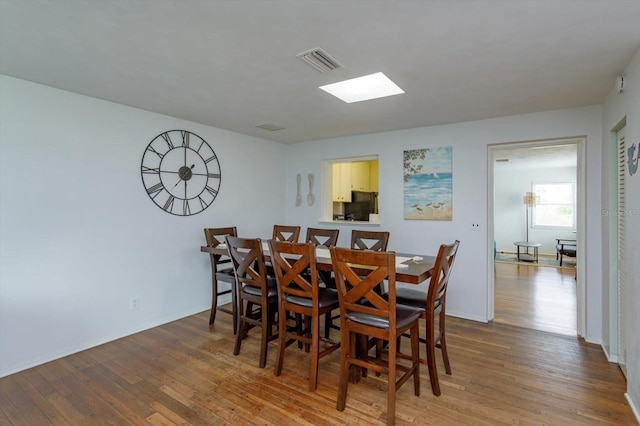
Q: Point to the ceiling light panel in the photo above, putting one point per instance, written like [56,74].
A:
[363,88]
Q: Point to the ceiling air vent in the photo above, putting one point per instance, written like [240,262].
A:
[320,60]
[270,127]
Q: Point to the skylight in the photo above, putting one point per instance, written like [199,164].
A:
[363,88]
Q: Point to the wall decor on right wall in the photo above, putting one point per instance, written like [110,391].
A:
[633,155]
[428,189]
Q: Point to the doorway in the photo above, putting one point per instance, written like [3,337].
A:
[517,169]
[620,248]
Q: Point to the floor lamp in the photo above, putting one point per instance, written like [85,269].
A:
[530,200]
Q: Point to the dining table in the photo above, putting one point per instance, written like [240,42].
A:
[410,268]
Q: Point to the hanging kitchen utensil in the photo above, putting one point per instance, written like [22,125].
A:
[298,196]
[310,197]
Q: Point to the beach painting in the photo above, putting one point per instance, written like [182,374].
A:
[428,190]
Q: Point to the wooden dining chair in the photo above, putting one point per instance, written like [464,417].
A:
[286,233]
[300,295]
[362,240]
[221,270]
[431,303]
[369,240]
[321,237]
[364,312]
[324,238]
[257,293]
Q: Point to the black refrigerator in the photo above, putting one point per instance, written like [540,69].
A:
[361,206]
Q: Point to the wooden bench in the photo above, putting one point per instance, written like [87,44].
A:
[565,247]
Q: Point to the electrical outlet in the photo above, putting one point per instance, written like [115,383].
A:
[475,226]
[134,303]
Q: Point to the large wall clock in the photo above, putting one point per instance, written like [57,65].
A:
[181,172]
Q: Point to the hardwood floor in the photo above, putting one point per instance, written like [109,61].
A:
[537,297]
[184,373]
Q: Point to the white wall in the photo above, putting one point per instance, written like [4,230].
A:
[79,236]
[468,292]
[510,185]
[616,108]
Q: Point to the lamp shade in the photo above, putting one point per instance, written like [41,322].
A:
[531,199]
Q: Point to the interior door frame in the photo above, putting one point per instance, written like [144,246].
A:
[580,142]
[613,349]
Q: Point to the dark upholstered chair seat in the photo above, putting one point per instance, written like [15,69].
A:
[414,298]
[272,288]
[404,316]
[227,272]
[326,297]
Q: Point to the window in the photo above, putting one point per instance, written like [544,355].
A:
[557,206]
[349,178]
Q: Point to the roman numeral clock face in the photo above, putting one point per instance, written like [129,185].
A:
[181,172]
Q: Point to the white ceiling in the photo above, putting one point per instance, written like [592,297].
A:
[232,64]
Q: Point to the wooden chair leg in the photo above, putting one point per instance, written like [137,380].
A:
[391,383]
[360,349]
[415,352]
[327,324]
[234,307]
[431,357]
[265,313]
[214,299]
[315,353]
[243,327]
[282,345]
[307,323]
[345,372]
[443,344]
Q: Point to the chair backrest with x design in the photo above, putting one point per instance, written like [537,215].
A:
[369,240]
[441,273]
[357,285]
[248,261]
[322,237]
[286,233]
[289,261]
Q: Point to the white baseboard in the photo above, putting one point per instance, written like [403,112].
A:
[467,316]
[633,406]
[610,357]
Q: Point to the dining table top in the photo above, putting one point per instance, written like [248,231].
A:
[410,268]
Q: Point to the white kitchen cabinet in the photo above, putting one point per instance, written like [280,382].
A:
[373,176]
[360,173]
